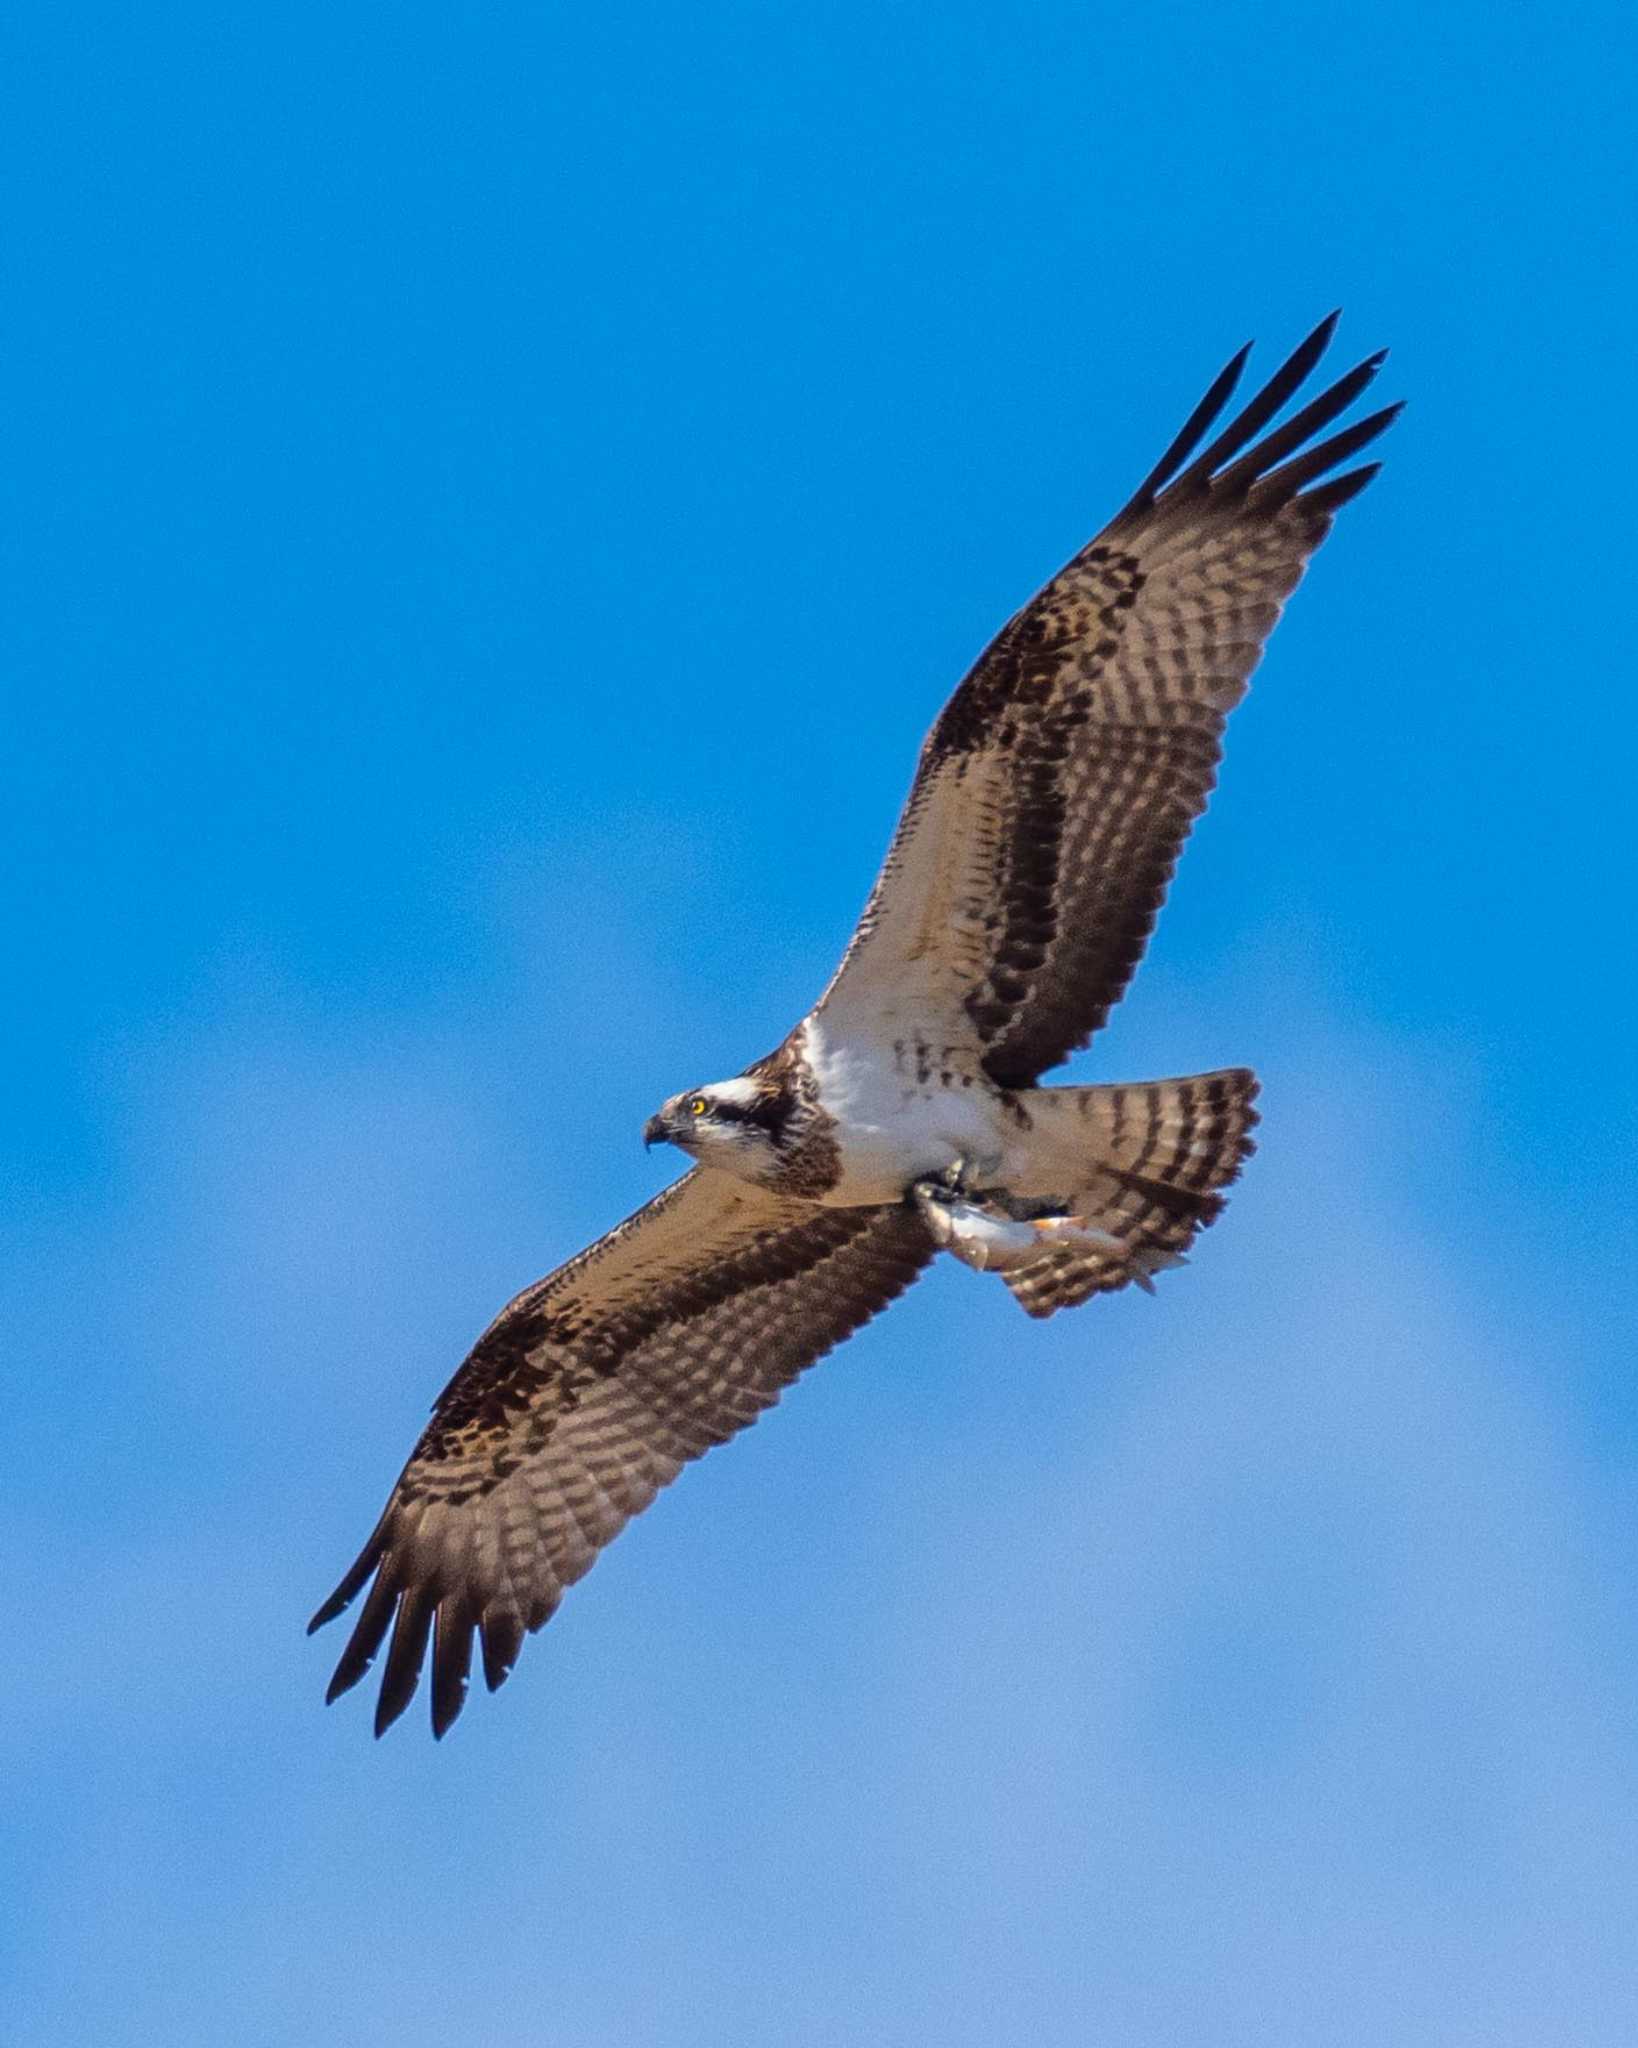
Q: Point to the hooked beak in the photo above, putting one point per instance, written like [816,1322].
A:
[655,1132]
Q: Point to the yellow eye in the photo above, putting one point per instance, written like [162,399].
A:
[698,1106]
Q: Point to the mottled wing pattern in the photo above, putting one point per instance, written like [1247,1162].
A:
[1056,790]
[584,1397]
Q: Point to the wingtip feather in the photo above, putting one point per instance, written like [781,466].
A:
[502,1634]
[332,1607]
[1187,438]
[1263,406]
[1320,339]
[341,1682]
[405,1655]
[1332,496]
[357,1576]
[365,1640]
[451,1663]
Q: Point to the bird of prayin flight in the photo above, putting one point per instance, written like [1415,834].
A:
[904,1114]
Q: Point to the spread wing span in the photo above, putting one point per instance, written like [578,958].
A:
[584,1397]
[1055,792]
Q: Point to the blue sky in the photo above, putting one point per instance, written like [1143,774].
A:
[496,503]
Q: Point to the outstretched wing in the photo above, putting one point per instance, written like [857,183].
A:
[1055,791]
[584,1397]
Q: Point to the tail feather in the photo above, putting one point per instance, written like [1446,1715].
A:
[1144,1162]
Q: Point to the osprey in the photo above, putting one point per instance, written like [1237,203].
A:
[904,1114]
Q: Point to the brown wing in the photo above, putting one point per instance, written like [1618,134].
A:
[1055,791]
[584,1397]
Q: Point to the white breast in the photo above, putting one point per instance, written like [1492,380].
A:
[900,1112]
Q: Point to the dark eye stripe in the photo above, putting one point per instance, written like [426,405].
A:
[767,1112]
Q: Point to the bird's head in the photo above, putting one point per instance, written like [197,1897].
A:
[732,1125]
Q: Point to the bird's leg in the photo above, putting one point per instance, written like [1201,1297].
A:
[972,1180]
[955,1180]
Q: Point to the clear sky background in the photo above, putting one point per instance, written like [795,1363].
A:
[495,501]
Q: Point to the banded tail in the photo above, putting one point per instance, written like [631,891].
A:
[1144,1162]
